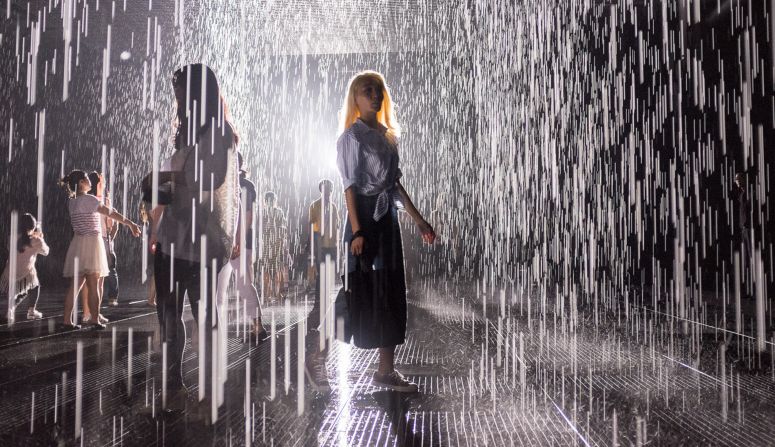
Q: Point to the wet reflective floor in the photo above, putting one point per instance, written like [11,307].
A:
[491,370]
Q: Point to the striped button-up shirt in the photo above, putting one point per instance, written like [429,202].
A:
[368,162]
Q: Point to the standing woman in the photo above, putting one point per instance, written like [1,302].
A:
[274,248]
[109,231]
[367,158]
[86,260]
[199,217]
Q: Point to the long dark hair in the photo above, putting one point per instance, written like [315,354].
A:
[70,182]
[27,223]
[192,121]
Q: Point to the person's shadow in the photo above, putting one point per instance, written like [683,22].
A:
[396,406]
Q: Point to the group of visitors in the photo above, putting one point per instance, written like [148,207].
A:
[199,211]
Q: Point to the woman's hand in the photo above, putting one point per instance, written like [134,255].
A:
[235,252]
[426,230]
[356,246]
[134,228]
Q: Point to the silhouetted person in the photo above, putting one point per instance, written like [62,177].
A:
[274,250]
[241,263]
[741,225]
[324,223]
[29,244]
[199,217]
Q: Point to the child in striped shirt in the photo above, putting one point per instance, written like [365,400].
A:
[86,261]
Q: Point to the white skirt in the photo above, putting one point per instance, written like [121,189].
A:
[23,285]
[90,251]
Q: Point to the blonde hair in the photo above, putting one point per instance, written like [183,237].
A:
[349,112]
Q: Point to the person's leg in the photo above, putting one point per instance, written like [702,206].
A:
[176,333]
[33,295]
[161,274]
[204,322]
[151,285]
[84,295]
[169,310]
[100,293]
[278,280]
[247,290]
[93,283]
[111,281]
[224,278]
[265,275]
[314,358]
[386,357]
[100,296]
[271,276]
[114,276]
[70,296]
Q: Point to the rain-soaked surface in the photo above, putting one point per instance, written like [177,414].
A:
[597,279]
[489,373]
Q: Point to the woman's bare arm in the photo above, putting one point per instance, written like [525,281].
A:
[118,217]
[356,246]
[409,205]
[428,234]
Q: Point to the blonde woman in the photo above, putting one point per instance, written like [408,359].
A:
[367,158]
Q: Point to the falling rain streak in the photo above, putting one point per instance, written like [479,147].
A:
[598,173]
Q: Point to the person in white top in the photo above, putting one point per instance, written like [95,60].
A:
[29,245]
[241,262]
[108,231]
[86,261]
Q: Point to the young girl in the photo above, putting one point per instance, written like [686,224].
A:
[367,158]
[109,231]
[86,260]
[29,245]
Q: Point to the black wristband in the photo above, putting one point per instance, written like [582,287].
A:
[356,235]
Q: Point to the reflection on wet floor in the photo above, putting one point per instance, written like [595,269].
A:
[513,378]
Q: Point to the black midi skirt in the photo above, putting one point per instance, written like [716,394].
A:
[376,299]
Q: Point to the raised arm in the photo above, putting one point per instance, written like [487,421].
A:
[39,244]
[112,228]
[118,217]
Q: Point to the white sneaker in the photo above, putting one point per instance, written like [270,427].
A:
[113,302]
[394,381]
[33,314]
[102,319]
